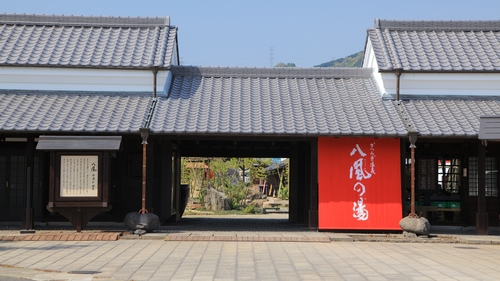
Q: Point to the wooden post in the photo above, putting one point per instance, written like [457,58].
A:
[413,139]
[28,221]
[293,183]
[481,215]
[144,135]
[144,159]
[313,195]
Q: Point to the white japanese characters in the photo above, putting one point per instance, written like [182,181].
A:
[359,172]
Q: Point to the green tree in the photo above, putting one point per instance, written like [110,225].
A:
[193,173]
[230,176]
[354,60]
[258,170]
[282,64]
[283,191]
[226,179]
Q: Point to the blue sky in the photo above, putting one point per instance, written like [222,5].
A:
[242,32]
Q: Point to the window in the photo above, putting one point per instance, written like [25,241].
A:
[491,176]
[449,175]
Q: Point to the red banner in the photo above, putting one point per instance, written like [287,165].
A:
[359,184]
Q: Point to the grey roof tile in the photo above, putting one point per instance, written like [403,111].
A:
[109,42]
[72,112]
[447,117]
[276,101]
[436,45]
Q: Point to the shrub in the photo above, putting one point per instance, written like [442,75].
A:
[250,209]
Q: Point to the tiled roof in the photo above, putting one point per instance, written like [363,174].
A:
[470,46]
[73,41]
[277,101]
[72,112]
[447,117]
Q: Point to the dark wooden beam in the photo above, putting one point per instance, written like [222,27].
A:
[481,215]
[313,194]
[293,197]
[28,213]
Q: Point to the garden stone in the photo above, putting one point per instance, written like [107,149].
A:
[419,226]
[141,223]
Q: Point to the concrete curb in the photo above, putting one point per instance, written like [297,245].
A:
[310,237]
[63,236]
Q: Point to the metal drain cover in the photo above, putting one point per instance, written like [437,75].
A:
[84,272]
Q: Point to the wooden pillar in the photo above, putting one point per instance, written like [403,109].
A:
[313,194]
[304,177]
[481,215]
[166,181]
[28,213]
[413,139]
[176,185]
[150,176]
[144,134]
[293,184]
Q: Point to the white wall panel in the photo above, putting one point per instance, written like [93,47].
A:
[72,79]
[433,84]
[444,84]
[369,61]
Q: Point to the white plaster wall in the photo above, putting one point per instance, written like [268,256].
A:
[446,84]
[369,61]
[81,79]
[433,84]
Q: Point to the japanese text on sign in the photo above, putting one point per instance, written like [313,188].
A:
[359,171]
[79,176]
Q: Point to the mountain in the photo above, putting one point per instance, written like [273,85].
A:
[353,60]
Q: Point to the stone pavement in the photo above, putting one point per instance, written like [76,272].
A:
[218,260]
[227,248]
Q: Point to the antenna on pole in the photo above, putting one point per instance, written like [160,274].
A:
[271,57]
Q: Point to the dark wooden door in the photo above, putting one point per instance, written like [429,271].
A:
[13,180]
[491,190]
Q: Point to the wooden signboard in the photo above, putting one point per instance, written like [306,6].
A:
[79,175]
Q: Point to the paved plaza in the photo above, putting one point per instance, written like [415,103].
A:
[227,249]
[218,260]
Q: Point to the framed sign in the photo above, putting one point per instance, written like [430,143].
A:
[79,176]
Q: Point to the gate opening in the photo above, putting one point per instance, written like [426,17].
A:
[235,186]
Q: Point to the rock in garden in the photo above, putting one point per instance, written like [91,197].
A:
[141,223]
[419,226]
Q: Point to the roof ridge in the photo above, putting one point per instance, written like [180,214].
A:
[37,19]
[277,72]
[472,25]
[76,93]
